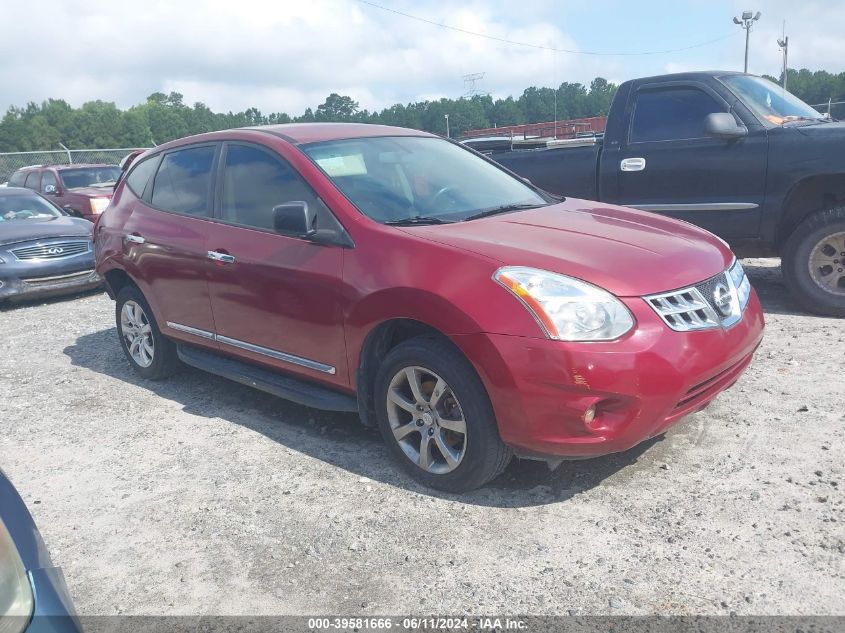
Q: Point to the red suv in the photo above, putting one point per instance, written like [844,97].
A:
[83,191]
[402,276]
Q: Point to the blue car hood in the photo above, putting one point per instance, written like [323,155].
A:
[12,231]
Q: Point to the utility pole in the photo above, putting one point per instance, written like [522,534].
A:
[747,21]
[784,46]
[446,116]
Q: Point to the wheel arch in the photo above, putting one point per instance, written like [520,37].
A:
[116,280]
[805,198]
[377,344]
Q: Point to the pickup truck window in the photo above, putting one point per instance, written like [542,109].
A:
[671,114]
[768,101]
[422,179]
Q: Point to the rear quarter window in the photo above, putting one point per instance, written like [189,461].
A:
[17,179]
[140,175]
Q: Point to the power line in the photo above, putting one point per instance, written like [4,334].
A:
[540,46]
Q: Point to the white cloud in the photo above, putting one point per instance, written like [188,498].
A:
[288,55]
[277,56]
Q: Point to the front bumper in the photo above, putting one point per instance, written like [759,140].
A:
[640,384]
[51,285]
[26,279]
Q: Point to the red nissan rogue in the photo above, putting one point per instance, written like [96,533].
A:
[402,276]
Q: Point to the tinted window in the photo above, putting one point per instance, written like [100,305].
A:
[183,179]
[32,180]
[17,179]
[678,113]
[140,175]
[254,182]
[104,176]
[49,178]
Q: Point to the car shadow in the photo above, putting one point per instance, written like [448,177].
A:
[767,280]
[339,438]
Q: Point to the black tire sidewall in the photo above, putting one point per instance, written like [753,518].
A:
[796,254]
[164,354]
[485,451]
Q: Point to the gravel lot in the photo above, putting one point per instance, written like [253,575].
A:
[201,496]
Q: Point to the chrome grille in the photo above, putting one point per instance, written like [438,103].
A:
[52,250]
[697,308]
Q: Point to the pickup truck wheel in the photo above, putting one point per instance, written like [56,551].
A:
[151,354]
[436,417]
[813,262]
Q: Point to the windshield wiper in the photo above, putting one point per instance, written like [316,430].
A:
[505,208]
[420,219]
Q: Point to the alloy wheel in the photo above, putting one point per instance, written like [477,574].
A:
[827,263]
[136,331]
[427,420]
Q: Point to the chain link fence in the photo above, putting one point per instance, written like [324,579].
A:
[835,109]
[12,161]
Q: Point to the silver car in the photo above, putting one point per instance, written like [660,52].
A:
[43,251]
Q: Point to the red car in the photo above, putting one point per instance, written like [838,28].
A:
[390,272]
[82,190]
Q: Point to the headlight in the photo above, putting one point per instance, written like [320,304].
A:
[567,309]
[15,593]
[98,205]
[741,283]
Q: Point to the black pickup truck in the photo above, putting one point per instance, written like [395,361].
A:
[730,152]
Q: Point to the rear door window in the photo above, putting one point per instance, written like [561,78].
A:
[183,181]
[672,114]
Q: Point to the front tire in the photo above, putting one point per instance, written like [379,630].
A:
[436,418]
[151,354]
[813,262]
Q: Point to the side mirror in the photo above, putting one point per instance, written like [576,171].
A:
[51,189]
[294,219]
[723,125]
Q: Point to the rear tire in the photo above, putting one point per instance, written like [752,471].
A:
[813,262]
[149,352]
[436,418]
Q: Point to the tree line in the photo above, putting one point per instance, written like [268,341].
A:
[163,117]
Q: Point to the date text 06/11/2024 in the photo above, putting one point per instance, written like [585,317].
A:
[417,624]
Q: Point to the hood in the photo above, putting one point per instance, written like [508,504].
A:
[93,192]
[628,252]
[23,230]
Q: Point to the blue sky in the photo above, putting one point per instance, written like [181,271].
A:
[288,55]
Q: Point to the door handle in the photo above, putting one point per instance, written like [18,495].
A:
[632,164]
[135,239]
[223,258]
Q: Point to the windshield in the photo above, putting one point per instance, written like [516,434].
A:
[26,207]
[104,176]
[769,101]
[400,179]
